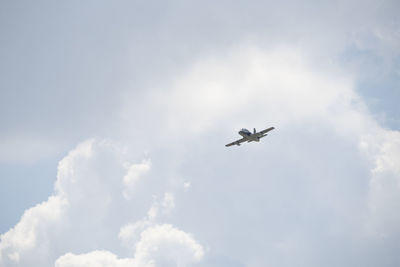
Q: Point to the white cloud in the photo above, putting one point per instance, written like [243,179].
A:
[83,214]
[168,203]
[328,170]
[129,234]
[325,133]
[134,174]
[164,245]
[95,258]
[231,87]
[296,193]
[154,244]
[384,197]
[28,239]
[160,245]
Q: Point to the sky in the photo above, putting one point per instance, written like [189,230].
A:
[114,118]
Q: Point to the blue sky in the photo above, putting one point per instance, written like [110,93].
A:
[114,118]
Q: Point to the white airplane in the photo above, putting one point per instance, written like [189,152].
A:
[249,137]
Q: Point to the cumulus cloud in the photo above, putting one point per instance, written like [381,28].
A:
[80,216]
[164,245]
[27,241]
[154,244]
[320,190]
[160,245]
[96,258]
[229,87]
[342,172]
[323,181]
[129,234]
[134,174]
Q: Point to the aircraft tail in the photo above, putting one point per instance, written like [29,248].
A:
[254,130]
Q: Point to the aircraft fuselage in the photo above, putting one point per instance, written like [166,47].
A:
[249,136]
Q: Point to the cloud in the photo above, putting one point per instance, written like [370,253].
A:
[96,258]
[323,163]
[129,234]
[325,182]
[384,196]
[160,245]
[322,189]
[248,84]
[74,68]
[83,214]
[164,245]
[154,244]
[134,174]
[28,241]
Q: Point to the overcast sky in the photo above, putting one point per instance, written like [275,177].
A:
[114,116]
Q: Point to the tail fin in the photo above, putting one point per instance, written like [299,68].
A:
[254,130]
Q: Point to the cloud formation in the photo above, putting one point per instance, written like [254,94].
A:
[329,161]
[319,190]
[79,217]
[161,245]
[173,81]
[384,196]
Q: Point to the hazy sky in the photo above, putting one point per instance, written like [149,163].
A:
[114,116]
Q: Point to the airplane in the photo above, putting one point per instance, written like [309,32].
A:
[250,137]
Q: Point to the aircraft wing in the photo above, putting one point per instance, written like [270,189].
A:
[264,131]
[237,142]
